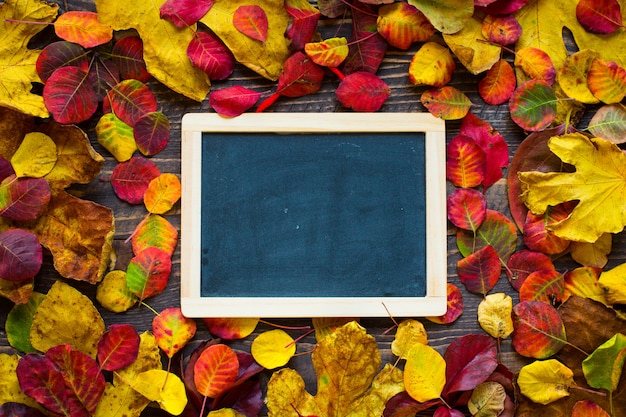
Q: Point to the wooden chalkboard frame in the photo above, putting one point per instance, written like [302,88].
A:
[193,304]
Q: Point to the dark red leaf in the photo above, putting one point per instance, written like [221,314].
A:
[480,271]
[118,347]
[127,54]
[102,75]
[245,397]
[41,380]
[467,208]
[208,53]
[23,199]
[82,377]
[21,255]
[184,13]
[362,91]
[233,101]
[367,46]
[60,54]
[599,16]
[130,100]
[69,96]
[302,23]
[443,411]
[152,133]
[523,263]
[6,169]
[470,360]
[10,409]
[539,331]
[251,21]
[300,76]
[130,179]
[403,405]
[492,143]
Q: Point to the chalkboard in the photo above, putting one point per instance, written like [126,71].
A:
[339,214]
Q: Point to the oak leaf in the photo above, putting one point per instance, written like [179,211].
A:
[599,184]
[17,62]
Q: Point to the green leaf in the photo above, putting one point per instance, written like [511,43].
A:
[19,321]
[603,368]
[496,230]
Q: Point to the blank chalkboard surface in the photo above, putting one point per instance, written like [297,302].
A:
[313,215]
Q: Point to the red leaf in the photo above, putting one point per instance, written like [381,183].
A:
[539,331]
[23,199]
[152,133]
[69,96]
[82,377]
[172,330]
[503,30]
[523,263]
[21,255]
[504,7]
[102,75]
[470,360]
[233,101]
[480,271]
[60,54]
[130,100]
[465,166]
[367,46]
[118,347]
[215,370]
[544,285]
[83,28]
[467,208]
[209,54]
[300,76]
[251,21]
[536,235]
[6,169]
[130,179]
[492,143]
[184,13]
[127,54]
[41,380]
[363,92]
[303,22]
[599,16]
[455,306]
[231,328]
[148,272]
[499,83]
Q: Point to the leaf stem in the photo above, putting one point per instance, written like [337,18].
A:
[337,72]
[590,391]
[280,326]
[267,102]
[143,303]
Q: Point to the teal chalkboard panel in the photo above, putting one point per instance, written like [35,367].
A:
[281,219]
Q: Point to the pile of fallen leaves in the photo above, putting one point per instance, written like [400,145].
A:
[567,188]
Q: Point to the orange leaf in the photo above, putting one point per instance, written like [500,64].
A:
[402,24]
[607,81]
[328,53]
[536,64]
[82,28]
[447,103]
[215,370]
[251,21]
[172,330]
[162,193]
[499,83]
[465,166]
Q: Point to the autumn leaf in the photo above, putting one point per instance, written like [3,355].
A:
[113,293]
[408,334]
[544,284]
[467,46]
[583,282]
[465,164]
[172,330]
[82,28]
[432,64]
[66,316]
[148,272]
[69,96]
[23,199]
[480,270]
[454,306]
[35,157]
[165,388]
[186,12]
[470,360]
[19,321]
[424,373]
[536,64]
[488,399]
[494,315]
[467,208]
[545,381]
[533,105]
[303,18]
[157,231]
[131,179]
[572,76]
[599,184]
[21,255]
[9,385]
[538,329]
[208,53]
[587,408]
[496,230]
[401,24]
[17,62]
[152,133]
[128,58]
[498,84]
[162,193]
[233,101]
[503,30]
[118,347]
[609,123]
[606,81]
[447,103]
[599,16]
[215,370]
[447,17]
[594,254]
[613,281]
[603,367]
[231,328]
[116,137]
[330,52]
[362,91]
[273,348]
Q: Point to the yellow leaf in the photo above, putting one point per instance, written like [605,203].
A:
[408,334]
[592,254]
[432,64]
[79,233]
[388,382]
[328,53]
[614,283]
[475,55]
[286,391]
[267,59]
[164,45]
[424,373]
[10,390]
[66,316]
[163,387]
[599,183]
[572,76]
[119,399]
[17,62]
[225,412]
[273,348]
[545,381]
[113,293]
[162,193]
[14,126]
[35,157]
[583,282]
[327,325]
[447,16]
[494,315]
[116,136]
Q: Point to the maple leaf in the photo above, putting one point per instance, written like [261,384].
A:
[347,362]
[17,62]
[599,185]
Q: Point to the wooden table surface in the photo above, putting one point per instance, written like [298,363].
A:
[404,98]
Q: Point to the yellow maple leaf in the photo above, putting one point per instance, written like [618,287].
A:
[17,62]
[164,45]
[598,184]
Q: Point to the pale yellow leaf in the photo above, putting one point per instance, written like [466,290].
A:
[466,45]
[592,254]
[424,373]
[487,400]
[408,334]
[432,64]
[494,315]
[35,157]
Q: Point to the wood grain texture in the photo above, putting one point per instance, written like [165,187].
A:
[404,98]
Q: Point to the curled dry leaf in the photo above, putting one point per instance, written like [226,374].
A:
[494,315]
